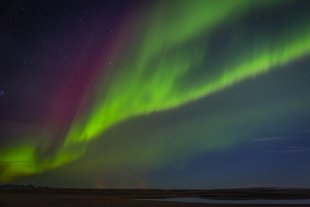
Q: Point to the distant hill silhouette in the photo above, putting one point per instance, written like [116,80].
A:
[13,186]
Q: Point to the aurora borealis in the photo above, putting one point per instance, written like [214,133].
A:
[124,93]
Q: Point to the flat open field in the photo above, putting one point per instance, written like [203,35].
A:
[41,197]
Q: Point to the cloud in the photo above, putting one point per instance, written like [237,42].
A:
[292,149]
[279,138]
[268,139]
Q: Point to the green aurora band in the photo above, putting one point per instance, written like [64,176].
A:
[148,76]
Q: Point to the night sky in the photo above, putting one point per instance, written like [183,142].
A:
[155,94]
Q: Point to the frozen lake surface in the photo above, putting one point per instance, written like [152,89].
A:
[252,201]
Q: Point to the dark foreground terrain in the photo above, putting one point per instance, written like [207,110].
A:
[45,197]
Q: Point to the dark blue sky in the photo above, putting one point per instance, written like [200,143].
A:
[252,132]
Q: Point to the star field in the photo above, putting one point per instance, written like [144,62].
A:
[199,94]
